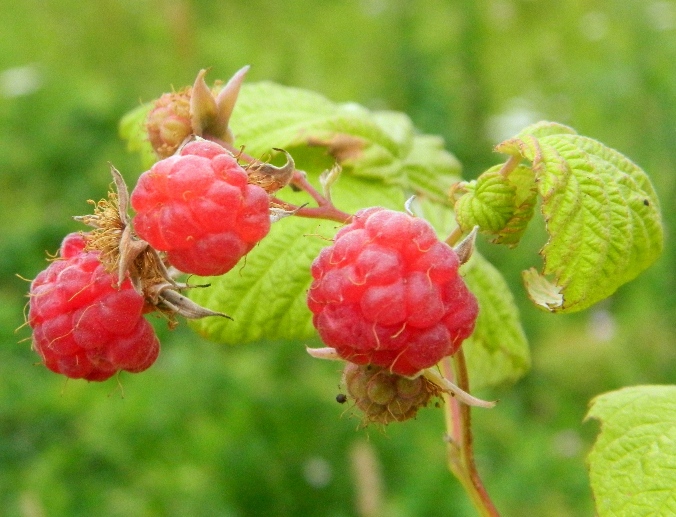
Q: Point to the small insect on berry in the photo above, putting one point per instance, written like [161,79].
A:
[341,398]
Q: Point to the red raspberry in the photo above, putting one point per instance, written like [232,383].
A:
[388,293]
[83,326]
[199,208]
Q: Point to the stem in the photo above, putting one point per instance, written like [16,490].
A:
[328,212]
[460,447]
[454,237]
[325,208]
[511,164]
[300,181]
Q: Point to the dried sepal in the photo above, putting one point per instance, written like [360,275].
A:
[328,178]
[110,221]
[203,109]
[170,301]
[225,103]
[324,353]
[270,177]
[465,247]
[408,206]
[279,213]
[447,386]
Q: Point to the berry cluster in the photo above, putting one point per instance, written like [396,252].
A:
[197,207]
[388,293]
[197,211]
[386,296]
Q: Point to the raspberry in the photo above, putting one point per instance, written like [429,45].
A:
[385,397]
[168,123]
[388,293]
[198,207]
[83,326]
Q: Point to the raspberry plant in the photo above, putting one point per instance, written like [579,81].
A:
[365,236]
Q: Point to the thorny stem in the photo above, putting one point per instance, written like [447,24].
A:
[460,448]
[325,208]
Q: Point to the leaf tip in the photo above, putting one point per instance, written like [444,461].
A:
[542,292]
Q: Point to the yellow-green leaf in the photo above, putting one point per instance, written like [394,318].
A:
[632,465]
[601,213]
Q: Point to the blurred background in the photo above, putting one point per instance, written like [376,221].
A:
[255,430]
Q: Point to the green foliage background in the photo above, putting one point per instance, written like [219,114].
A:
[254,430]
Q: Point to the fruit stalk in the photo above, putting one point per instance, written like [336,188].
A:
[325,208]
[459,435]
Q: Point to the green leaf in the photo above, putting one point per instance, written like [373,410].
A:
[544,128]
[497,352]
[601,213]
[133,130]
[430,169]
[488,202]
[524,206]
[373,144]
[381,145]
[500,204]
[632,465]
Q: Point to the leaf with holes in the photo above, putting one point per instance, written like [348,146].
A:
[600,210]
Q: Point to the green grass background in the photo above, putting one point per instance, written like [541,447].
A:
[255,430]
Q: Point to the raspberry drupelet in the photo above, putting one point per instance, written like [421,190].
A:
[388,293]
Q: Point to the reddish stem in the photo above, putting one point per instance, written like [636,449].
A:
[461,451]
[511,164]
[328,211]
[300,180]
[325,208]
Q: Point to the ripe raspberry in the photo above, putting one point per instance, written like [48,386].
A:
[83,326]
[386,397]
[387,292]
[199,208]
[168,123]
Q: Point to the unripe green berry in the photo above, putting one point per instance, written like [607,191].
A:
[168,123]
[386,397]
